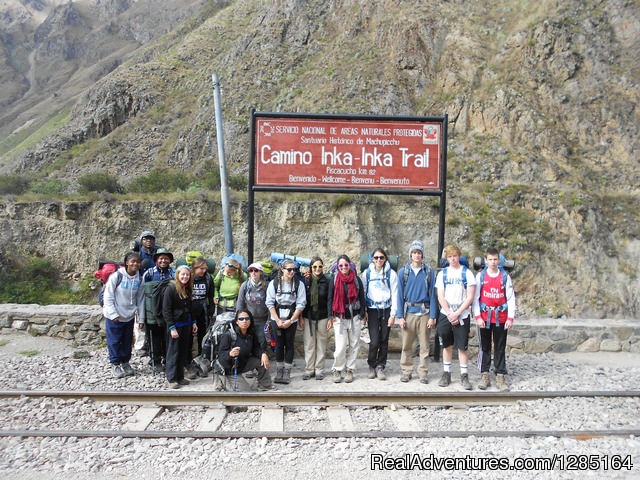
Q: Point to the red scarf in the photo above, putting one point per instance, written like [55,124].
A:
[339,302]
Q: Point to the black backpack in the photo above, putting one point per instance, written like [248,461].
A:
[211,340]
[154,298]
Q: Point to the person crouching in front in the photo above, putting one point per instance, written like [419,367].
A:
[242,351]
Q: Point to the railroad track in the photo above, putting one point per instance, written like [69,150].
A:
[215,409]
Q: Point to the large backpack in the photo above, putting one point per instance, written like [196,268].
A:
[211,340]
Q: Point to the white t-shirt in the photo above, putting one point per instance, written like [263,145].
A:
[454,292]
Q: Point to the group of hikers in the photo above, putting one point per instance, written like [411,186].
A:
[265,311]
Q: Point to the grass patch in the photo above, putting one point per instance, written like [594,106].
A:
[3,342]
[29,353]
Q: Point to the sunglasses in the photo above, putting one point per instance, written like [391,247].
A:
[290,269]
[253,270]
[244,319]
[317,267]
[344,266]
[379,258]
[233,267]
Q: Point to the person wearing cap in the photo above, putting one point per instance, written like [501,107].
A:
[252,297]
[176,311]
[148,249]
[227,285]
[155,334]
[416,308]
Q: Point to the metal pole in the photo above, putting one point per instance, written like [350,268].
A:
[224,187]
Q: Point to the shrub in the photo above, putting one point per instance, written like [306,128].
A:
[99,182]
[49,186]
[13,184]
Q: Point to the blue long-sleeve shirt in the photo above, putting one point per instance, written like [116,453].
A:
[414,296]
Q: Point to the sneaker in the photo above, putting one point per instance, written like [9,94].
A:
[184,381]
[319,376]
[485,381]
[380,373]
[464,380]
[117,371]
[128,370]
[405,377]
[267,388]
[337,376]
[372,373]
[174,385]
[190,373]
[348,378]
[445,381]
[501,383]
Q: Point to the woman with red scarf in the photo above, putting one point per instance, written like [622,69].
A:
[346,308]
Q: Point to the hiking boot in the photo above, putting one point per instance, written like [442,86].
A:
[190,373]
[405,377]
[286,377]
[306,376]
[251,374]
[372,373]
[267,388]
[485,381]
[348,378]
[279,375]
[337,376]
[380,373]
[464,380]
[319,376]
[184,381]
[445,381]
[424,380]
[117,371]
[174,385]
[158,368]
[500,383]
[128,370]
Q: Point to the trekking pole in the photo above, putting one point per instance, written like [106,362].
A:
[151,342]
[235,374]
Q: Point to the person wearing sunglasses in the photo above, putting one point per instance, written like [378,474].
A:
[227,285]
[286,299]
[314,320]
[346,309]
[381,292]
[242,351]
[252,297]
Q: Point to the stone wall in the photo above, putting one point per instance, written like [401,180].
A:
[84,325]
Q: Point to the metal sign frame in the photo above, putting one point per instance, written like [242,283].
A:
[259,181]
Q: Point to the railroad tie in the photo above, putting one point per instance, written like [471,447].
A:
[143,417]
[402,418]
[212,419]
[272,419]
[340,419]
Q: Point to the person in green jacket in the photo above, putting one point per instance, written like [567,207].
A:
[227,285]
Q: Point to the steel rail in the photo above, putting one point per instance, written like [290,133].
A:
[195,398]
[573,434]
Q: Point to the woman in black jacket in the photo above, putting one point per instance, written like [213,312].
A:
[241,351]
[314,322]
[176,311]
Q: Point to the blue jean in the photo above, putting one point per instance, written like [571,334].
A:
[119,340]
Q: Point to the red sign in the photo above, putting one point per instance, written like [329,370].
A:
[328,153]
